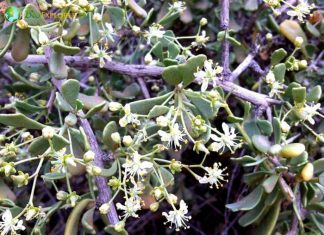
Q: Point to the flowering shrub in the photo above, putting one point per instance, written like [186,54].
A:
[111,109]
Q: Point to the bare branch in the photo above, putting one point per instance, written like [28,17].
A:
[242,67]
[149,71]
[144,89]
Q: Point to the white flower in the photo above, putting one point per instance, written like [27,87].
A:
[301,10]
[209,74]
[134,165]
[108,32]
[154,32]
[129,117]
[276,89]
[178,217]
[228,139]
[178,6]
[132,205]
[9,224]
[48,132]
[284,126]
[173,137]
[309,111]
[100,54]
[114,106]
[214,175]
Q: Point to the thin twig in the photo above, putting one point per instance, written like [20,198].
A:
[144,89]
[224,23]
[242,67]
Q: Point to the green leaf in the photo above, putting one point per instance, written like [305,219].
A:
[33,16]
[157,50]
[169,18]
[253,215]
[248,202]
[95,110]
[26,81]
[130,92]
[40,144]
[70,91]
[279,71]
[111,171]
[72,224]
[53,176]
[318,220]
[315,94]
[117,16]
[184,73]
[234,119]
[265,127]
[66,50]
[270,183]
[276,130]
[21,45]
[20,120]
[144,106]
[158,110]
[255,177]
[278,55]
[173,50]
[312,29]
[87,221]
[318,165]
[251,128]
[203,105]
[110,128]
[268,224]
[26,108]
[261,143]
[57,66]
[299,94]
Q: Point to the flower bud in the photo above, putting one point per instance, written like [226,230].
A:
[120,226]
[34,77]
[284,127]
[158,193]
[172,198]
[116,137]
[26,135]
[2,138]
[48,132]
[32,213]
[114,183]
[61,195]
[114,106]
[303,64]
[97,17]
[91,79]
[89,156]
[292,150]
[21,179]
[154,206]
[83,3]
[59,3]
[162,121]
[40,51]
[298,42]
[275,149]
[93,170]
[43,6]
[22,24]
[42,38]
[148,58]
[104,208]
[203,21]
[269,37]
[8,168]
[127,140]
[307,172]
[175,166]
[136,29]
[70,119]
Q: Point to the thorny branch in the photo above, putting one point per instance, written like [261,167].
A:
[224,23]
